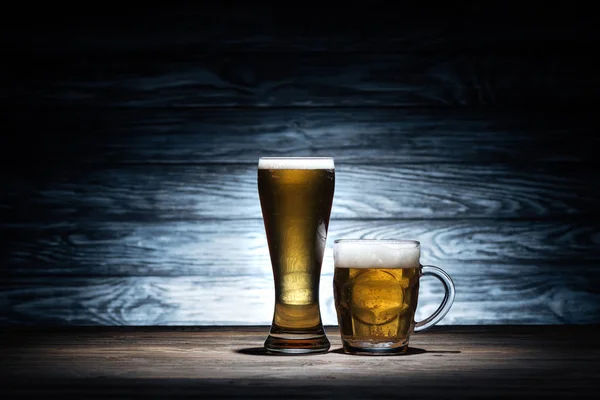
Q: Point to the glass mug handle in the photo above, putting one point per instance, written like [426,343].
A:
[450,292]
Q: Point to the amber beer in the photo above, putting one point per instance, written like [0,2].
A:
[296,196]
[376,288]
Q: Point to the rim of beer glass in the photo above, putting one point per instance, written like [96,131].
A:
[283,160]
[294,158]
[413,243]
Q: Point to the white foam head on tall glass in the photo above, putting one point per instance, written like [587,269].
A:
[295,163]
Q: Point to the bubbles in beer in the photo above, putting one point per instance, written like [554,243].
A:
[377,296]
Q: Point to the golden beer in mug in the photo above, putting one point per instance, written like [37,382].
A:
[376,289]
[296,195]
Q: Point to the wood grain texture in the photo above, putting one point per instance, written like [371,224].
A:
[300,27]
[176,192]
[514,272]
[365,136]
[194,78]
[302,57]
[448,362]
[114,248]
[129,145]
[486,294]
[186,273]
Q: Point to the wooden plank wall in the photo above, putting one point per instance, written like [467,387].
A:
[130,145]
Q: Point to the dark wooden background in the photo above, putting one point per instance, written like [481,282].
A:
[130,143]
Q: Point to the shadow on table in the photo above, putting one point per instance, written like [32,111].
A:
[260,351]
[410,352]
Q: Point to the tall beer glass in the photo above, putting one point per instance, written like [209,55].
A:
[296,195]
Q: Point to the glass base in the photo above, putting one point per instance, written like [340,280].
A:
[297,344]
[376,349]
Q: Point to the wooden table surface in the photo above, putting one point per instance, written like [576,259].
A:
[228,362]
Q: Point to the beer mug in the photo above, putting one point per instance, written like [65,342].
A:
[376,286]
[296,195]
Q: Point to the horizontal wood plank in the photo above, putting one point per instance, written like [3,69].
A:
[194,78]
[35,136]
[239,26]
[151,243]
[183,193]
[240,55]
[227,362]
[486,294]
[216,248]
